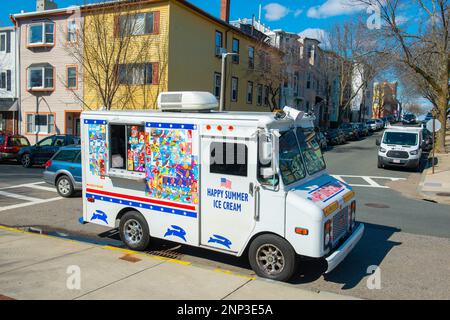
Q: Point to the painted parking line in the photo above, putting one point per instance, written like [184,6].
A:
[370,180]
[31,203]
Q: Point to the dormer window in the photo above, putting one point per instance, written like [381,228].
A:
[41,34]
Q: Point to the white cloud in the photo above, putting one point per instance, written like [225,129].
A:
[298,12]
[314,33]
[332,8]
[275,11]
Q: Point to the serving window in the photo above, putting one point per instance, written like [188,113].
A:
[127,144]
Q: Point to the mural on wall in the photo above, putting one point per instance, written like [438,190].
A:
[171,168]
[136,149]
[98,148]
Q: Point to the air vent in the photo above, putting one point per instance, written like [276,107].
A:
[187,101]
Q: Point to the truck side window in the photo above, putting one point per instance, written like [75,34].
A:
[229,158]
[128,147]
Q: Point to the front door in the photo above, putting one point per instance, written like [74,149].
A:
[228,175]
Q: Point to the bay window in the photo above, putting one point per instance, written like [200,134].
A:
[42,33]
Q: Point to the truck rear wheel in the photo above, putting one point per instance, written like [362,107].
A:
[134,231]
[272,257]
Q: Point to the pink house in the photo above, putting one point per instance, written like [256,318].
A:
[50,86]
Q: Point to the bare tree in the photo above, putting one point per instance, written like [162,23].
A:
[122,66]
[422,50]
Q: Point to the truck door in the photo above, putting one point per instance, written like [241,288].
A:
[228,176]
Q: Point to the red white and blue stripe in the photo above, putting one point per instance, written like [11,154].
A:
[143,203]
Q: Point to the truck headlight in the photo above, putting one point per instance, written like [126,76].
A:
[328,233]
[351,216]
[382,150]
[414,152]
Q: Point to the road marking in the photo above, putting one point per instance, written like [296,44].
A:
[371,183]
[29,185]
[38,187]
[31,203]
[18,196]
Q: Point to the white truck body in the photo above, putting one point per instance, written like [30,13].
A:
[185,197]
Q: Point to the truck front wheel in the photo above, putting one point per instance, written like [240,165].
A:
[134,231]
[272,257]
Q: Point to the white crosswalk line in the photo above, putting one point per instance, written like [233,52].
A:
[371,183]
[38,187]
[27,204]
[18,196]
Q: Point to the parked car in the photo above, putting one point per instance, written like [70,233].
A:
[361,128]
[350,132]
[428,117]
[372,125]
[427,138]
[335,136]
[391,119]
[380,124]
[63,170]
[45,149]
[409,119]
[10,145]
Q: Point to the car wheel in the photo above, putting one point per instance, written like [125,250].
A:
[134,231]
[380,164]
[26,160]
[64,186]
[272,257]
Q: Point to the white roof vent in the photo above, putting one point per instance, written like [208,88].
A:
[187,101]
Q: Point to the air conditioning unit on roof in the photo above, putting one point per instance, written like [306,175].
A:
[187,101]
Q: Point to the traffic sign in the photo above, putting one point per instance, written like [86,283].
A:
[437,125]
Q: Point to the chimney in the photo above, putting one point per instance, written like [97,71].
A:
[225,10]
[43,5]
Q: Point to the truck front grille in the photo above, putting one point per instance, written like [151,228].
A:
[398,154]
[340,223]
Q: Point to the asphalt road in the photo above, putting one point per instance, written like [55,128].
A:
[403,236]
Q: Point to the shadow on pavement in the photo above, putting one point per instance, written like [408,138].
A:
[371,250]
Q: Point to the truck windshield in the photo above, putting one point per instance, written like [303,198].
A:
[312,155]
[400,138]
[291,163]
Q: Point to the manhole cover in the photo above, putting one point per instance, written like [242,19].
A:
[377,205]
[443,194]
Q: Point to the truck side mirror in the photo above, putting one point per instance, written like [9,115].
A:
[266,152]
[378,142]
[267,172]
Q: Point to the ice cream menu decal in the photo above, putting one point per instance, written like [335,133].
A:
[171,167]
[98,147]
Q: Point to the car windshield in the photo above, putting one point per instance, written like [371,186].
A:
[2,139]
[18,142]
[291,164]
[400,138]
[312,155]
[370,122]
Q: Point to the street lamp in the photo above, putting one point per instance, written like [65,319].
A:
[222,79]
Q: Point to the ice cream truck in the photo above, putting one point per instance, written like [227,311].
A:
[239,183]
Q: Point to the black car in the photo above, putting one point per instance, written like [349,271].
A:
[409,119]
[334,136]
[427,137]
[350,132]
[45,149]
[362,129]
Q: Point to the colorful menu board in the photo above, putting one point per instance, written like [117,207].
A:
[98,148]
[136,149]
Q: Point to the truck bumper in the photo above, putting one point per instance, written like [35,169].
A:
[340,253]
[407,163]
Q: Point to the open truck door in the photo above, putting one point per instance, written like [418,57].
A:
[229,192]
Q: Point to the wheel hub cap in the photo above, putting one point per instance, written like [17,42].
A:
[270,259]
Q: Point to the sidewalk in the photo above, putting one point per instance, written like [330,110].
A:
[36,266]
[436,186]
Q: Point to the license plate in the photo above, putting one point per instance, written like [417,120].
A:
[396,161]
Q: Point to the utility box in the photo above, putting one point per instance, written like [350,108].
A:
[43,5]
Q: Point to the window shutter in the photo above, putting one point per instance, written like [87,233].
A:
[156,22]
[116,26]
[155,76]
[8,42]
[8,80]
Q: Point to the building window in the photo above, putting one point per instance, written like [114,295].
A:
[308,81]
[72,31]
[217,84]
[228,159]
[138,74]
[219,43]
[250,92]
[40,123]
[138,24]
[41,78]
[3,42]
[234,89]
[235,49]
[310,51]
[266,95]
[259,94]
[251,57]
[72,77]
[5,80]
[295,85]
[41,33]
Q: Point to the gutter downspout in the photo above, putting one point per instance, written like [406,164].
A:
[17,74]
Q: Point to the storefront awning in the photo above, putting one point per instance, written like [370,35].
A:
[9,105]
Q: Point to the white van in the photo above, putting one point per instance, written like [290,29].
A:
[232,182]
[400,146]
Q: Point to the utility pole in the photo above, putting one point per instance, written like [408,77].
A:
[223,79]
